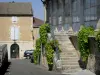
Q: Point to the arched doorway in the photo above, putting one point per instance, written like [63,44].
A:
[14,50]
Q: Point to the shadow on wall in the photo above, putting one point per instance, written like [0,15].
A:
[4,68]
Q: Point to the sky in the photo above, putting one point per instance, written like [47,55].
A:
[37,6]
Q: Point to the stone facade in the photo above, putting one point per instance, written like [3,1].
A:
[94,58]
[93,63]
[25,35]
[63,14]
[16,21]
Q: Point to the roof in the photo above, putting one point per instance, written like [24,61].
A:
[15,8]
[37,22]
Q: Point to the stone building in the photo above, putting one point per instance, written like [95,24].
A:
[16,20]
[62,14]
[65,18]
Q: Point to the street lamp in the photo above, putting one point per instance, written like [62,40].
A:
[43,1]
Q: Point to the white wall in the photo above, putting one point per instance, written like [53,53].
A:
[23,45]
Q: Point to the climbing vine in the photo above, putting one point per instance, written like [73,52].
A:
[37,52]
[83,41]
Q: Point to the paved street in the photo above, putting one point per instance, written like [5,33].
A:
[24,67]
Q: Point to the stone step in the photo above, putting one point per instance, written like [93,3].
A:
[69,62]
[64,73]
[68,53]
[69,58]
[66,46]
[70,67]
[65,43]
[64,56]
[71,71]
[68,50]
[62,38]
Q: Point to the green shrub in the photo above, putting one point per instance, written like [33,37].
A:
[38,46]
[35,55]
[44,29]
[49,53]
[83,41]
[37,52]
[54,44]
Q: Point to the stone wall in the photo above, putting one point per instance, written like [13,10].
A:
[74,41]
[93,63]
[24,24]
[23,46]
[94,58]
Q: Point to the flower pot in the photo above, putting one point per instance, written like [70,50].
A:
[50,67]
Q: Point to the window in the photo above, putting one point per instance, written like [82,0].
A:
[66,27]
[76,19]
[14,32]
[50,4]
[87,23]
[93,2]
[50,20]
[87,3]
[54,20]
[98,2]
[75,11]
[90,11]
[93,23]
[14,19]
[76,27]
[59,28]
[60,20]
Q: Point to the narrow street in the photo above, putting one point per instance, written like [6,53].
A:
[24,67]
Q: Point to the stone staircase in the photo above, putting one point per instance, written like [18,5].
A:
[69,56]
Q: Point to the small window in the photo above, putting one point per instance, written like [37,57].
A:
[14,19]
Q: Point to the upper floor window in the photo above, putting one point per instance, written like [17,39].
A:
[60,20]
[14,19]
[93,2]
